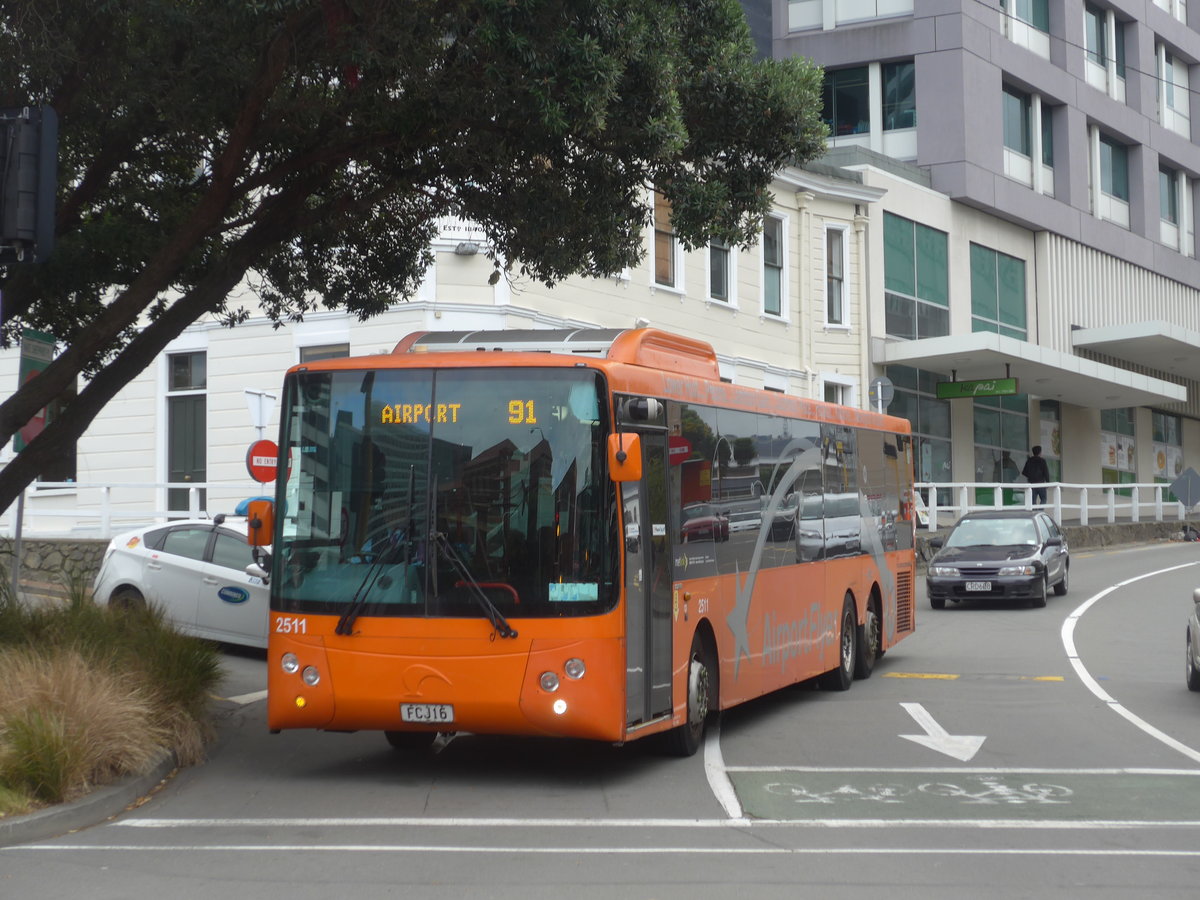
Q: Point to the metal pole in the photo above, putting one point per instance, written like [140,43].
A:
[16,559]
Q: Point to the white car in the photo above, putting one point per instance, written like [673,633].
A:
[1192,669]
[195,571]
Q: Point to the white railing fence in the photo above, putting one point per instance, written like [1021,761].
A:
[1082,504]
[78,509]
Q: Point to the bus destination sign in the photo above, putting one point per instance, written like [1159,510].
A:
[989,387]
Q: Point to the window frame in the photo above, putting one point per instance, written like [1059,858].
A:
[778,267]
[836,274]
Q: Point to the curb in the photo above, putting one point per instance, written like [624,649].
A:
[96,807]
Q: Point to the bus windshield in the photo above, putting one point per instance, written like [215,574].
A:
[410,491]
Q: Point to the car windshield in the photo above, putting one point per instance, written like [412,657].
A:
[411,491]
[697,511]
[992,532]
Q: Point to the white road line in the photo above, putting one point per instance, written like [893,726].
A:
[965,770]
[608,851]
[717,774]
[658,824]
[244,699]
[1068,639]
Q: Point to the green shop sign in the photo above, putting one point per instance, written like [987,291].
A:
[991,387]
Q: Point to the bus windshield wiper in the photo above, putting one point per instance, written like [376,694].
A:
[345,624]
[499,623]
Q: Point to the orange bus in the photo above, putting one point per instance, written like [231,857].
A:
[575,533]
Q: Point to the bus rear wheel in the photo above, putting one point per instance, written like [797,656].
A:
[868,636]
[701,700]
[840,678]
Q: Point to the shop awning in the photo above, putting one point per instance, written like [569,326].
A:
[1040,371]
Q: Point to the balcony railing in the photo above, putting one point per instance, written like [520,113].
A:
[78,509]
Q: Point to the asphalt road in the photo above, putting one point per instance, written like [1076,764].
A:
[998,752]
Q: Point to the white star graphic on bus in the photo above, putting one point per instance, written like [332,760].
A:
[739,620]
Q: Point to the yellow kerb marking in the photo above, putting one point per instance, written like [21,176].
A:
[928,675]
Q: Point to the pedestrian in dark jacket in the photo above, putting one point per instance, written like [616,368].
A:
[1037,472]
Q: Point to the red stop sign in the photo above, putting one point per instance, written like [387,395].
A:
[262,460]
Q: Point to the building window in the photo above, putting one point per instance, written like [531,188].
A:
[1167,448]
[997,293]
[1114,168]
[915,399]
[899,95]
[1031,12]
[1104,43]
[846,101]
[1016,122]
[804,14]
[664,243]
[916,279]
[1173,96]
[1118,464]
[1027,23]
[1110,179]
[718,271]
[834,393]
[1050,436]
[1168,199]
[835,277]
[1047,132]
[323,351]
[1001,444]
[772,266]
[187,426]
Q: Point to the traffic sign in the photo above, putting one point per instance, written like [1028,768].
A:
[262,461]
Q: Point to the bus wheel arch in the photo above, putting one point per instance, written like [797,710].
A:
[869,637]
[703,697]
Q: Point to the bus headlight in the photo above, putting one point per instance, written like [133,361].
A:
[574,668]
[549,682]
[310,675]
[290,663]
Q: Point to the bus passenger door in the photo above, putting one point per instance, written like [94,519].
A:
[647,587]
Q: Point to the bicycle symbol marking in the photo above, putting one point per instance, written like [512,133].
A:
[985,791]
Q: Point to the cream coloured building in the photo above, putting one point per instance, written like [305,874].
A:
[785,315]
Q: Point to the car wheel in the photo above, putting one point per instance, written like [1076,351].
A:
[1039,599]
[868,637]
[1193,675]
[1060,589]
[126,597]
[701,700]
[840,678]
[411,741]
[937,602]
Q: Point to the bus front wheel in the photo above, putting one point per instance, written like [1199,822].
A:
[685,740]
[411,741]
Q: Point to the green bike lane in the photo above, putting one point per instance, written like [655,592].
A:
[1152,796]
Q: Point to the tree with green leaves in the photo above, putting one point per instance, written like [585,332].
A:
[309,148]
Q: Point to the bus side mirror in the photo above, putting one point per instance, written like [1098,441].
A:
[624,457]
[260,523]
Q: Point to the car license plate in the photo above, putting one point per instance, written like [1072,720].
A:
[427,713]
[979,585]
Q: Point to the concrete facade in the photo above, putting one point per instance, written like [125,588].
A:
[1112,290]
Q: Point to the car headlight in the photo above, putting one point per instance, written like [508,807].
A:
[944,571]
[1018,570]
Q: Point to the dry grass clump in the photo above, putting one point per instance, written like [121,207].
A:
[89,694]
[67,725]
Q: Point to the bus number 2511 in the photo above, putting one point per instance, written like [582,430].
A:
[291,625]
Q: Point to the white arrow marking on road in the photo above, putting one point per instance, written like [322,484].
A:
[960,746]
